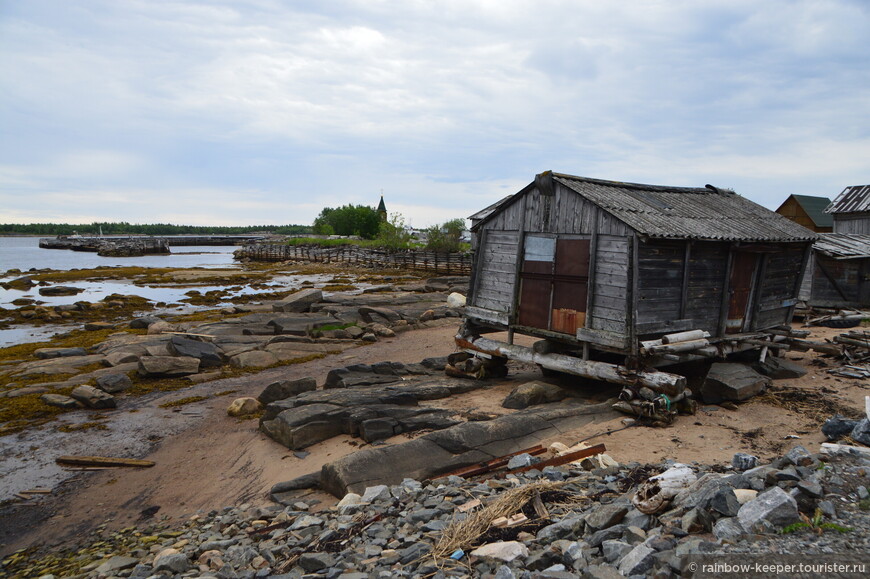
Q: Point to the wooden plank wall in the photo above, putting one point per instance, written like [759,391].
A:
[564,212]
[707,264]
[778,286]
[496,277]
[852,223]
[610,286]
[845,272]
[661,291]
[660,281]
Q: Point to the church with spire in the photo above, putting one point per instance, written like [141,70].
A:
[382,209]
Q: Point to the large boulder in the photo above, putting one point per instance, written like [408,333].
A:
[113,383]
[208,354]
[93,397]
[300,301]
[732,381]
[379,315]
[286,389]
[167,366]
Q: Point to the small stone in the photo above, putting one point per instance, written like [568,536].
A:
[838,426]
[313,562]
[799,456]
[503,550]
[638,561]
[743,462]
[350,499]
[614,549]
[606,516]
[171,560]
[861,432]
[769,511]
[728,528]
[519,461]
[811,488]
[244,407]
[376,493]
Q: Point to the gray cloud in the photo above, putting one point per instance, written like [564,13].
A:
[277,109]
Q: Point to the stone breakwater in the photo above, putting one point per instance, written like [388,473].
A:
[588,523]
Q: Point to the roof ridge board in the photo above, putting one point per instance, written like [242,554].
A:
[643,186]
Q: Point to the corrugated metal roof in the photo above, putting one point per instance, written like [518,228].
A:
[843,245]
[852,200]
[687,212]
[815,208]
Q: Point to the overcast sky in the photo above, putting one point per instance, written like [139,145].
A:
[265,111]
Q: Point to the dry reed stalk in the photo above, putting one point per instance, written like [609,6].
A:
[465,534]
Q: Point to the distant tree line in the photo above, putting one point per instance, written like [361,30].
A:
[124,228]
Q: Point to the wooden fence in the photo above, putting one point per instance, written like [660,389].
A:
[438,262]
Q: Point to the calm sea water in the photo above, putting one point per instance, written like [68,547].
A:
[24,253]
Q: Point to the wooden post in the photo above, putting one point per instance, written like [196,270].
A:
[726,292]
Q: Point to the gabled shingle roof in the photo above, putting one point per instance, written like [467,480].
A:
[685,212]
[852,200]
[815,209]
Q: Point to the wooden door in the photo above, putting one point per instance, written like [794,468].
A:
[554,280]
[570,287]
[740,291]
[536,280]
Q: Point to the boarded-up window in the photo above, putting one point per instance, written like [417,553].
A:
[554,284]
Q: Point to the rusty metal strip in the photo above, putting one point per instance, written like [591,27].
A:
[493,464]
[565,458]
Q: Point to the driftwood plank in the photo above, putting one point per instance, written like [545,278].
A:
[102,461]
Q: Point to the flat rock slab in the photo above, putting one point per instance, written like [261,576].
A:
[459,446]
[60,290]
[300,324]
[52,366]
[47,353]
[732,381]
[253,359]
[167,366]
[532,393]
[209,355]
[300,301]
[93,397]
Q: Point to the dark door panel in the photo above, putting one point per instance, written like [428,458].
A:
[535,303]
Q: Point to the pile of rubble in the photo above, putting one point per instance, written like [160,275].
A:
[561,521]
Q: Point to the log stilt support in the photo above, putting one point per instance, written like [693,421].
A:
[670,384]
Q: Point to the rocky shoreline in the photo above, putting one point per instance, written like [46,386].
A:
[587,523]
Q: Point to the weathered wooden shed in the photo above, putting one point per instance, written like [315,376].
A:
[838,274]
[851,210]
[597,268]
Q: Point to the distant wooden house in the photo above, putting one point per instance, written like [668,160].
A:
[838,275]
[851,210]
[808,211]
[596,268]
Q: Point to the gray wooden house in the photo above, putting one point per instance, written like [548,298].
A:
[596,268]
[838,274]
[851,210]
